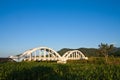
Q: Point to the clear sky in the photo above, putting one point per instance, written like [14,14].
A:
[57,24]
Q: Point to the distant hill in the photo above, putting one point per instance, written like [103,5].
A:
[85,51]
[64,50]
[91,51]
[116,52]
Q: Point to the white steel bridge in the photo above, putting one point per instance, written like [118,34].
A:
[48,54]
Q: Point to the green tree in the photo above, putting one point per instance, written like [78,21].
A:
[105,49]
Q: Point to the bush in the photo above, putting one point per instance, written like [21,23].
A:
[93,69]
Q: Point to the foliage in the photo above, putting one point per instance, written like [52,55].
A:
[64,50]
[92,52]
[105,49]
[116,52]
[87,51]
[93,69]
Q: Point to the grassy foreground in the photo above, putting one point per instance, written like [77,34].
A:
[93,69]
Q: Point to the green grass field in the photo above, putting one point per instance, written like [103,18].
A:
[93,69]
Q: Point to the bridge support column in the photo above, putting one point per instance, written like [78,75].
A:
[30,57]
[75,54]
[39,55]
[49,55]
[44,54]
[35,56]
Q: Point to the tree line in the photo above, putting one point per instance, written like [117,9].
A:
[103,50]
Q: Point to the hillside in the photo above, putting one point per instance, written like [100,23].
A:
[91,51]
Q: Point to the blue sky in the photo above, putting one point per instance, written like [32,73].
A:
[26,24]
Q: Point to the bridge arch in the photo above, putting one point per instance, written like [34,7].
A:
[38,54]
[73,55]
[48,54]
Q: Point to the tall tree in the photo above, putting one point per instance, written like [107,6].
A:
[105,49]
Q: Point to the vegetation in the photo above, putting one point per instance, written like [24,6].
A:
[87,51]
[116,52]
[105,49]
[93,69]
[92,52]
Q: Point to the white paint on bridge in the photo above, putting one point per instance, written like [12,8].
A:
[48,54]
